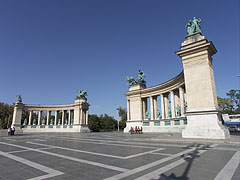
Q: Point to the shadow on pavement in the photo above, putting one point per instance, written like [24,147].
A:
[189,159]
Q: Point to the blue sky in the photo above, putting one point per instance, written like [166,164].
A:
[49,49]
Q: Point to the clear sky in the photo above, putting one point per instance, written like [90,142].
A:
[49,49]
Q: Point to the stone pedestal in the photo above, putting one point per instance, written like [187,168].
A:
[81,115]
[135,107]
[202,115]
[205,124]
[17,116]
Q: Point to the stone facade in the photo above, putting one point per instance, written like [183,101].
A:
[74,117]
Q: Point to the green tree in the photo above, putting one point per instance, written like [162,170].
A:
[94,123]
[102,123]
[225,105]
[6,114]
[108,123]
[122,112]
[230,105]
[235,96]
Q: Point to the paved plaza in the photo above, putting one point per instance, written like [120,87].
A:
[112,156]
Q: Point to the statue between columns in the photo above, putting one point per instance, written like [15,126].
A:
[185,106]
[169,113]
[59,122]
[158,114]
[43,122]
[178,110]
[147,116]
[66,122]
[25,122]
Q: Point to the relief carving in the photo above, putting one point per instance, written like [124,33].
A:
[195,63]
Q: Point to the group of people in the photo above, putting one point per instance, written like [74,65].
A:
[137,130]
[11,130]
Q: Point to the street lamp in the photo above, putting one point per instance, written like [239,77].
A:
[118,119]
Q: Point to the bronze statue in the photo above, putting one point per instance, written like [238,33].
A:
[158,114]
[19,98]
[81,94]
[193,26]
[139,80]
[147,116]
[169,113]
[178,111]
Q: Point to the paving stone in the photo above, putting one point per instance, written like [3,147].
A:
[110,159]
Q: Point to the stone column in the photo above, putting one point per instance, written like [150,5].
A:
[162,107]
[181,101]
[128,110]
[172,105]
[63,117]
[72,117]
[155,107]
[81,116]
[30,118]
[39,117]
[152,108]
[185,95]
[144,101]
[48,116]
[87,117]
[56,118]
[166,103]
[177,100]
[17,114]
[69,117]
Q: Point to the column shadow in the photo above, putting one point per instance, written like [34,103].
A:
[190,157]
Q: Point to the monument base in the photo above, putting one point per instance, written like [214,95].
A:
[206,125]
[56,128]
[132,124]
[18,129]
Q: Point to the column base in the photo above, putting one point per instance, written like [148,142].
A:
[83,128]
[206,125]
[57,128]
[18,129]
[133,124]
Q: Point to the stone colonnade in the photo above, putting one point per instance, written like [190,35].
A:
[61,117]
[170,102]
[157,106]
[71,117]
[170,96]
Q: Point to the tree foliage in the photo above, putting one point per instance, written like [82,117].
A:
[6,114]
[235,96]
[122,112]
[231,104]
[102,123]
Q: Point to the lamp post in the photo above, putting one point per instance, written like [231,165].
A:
[118,119]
